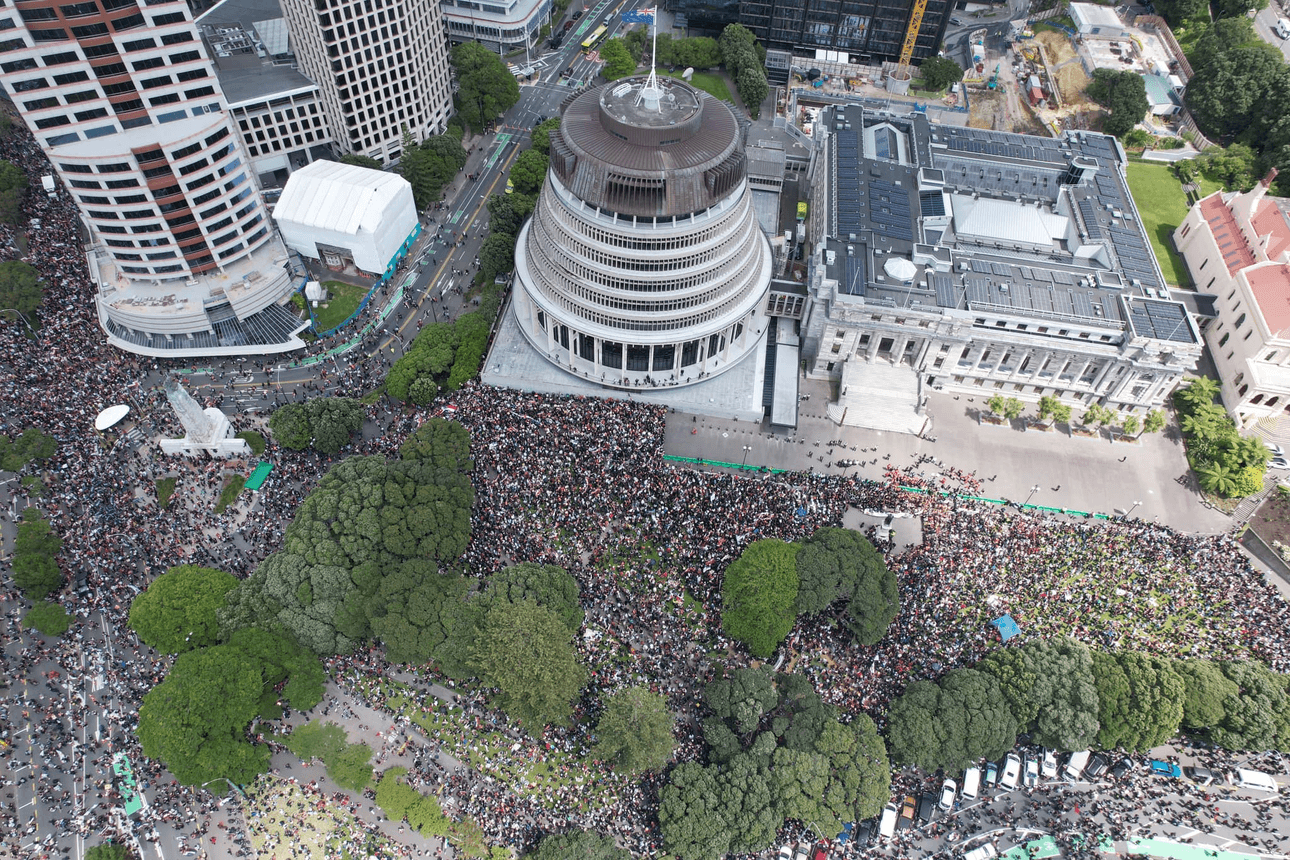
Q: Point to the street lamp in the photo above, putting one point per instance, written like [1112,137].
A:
[744,462]
[1129,512]
[1033,490]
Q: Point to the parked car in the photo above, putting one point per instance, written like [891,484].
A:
[957,22]
[1096,766]
[568,25]
[948,792]
[801,852]
[887,824]
[820,853]
[991,774]
[1165,768]
[971,783]
[1076,764]
[1011,772]
[1121,767]
[785,852]
[865,833]
[1048,765]
[907,811]
[577,15]
[1200,775]
[926,806]
[985,852]
[1032,770]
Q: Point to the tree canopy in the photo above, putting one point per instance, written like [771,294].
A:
[35,550]
[1205,690]
[545,584]
[939,72]
[541,136]
[447,353]
[950,724]
[20,286]
[506,212]
[838,564]
[1140,700]
[618,60]
[177,611]
[13,186]
[635,731]
[1122,93]
[744,64]
[759,595]
[529,171]
[369,520]
[524,651]
[485,87]
[577,845]
[327,423]
[430,165]
[196,721]
[1050,689]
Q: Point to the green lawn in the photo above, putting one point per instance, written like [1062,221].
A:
[342,300]
[710,82]
[1162,204]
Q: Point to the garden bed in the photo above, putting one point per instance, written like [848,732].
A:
[342,300]
[230,492]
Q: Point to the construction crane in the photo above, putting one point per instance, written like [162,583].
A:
[911,38]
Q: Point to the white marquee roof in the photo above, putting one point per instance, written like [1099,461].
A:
[343,198]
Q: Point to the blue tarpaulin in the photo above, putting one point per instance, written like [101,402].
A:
[1006,626]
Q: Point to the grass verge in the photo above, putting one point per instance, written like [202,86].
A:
[342,300]
[229,493]
[710,82]
[1162,205]
[254,440]
[165,489]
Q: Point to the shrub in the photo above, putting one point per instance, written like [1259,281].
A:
[49,618]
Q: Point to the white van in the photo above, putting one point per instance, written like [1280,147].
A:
[1256,780]
[1075,767]
[1283,28]
[985,852]
[887,827]
[971,783]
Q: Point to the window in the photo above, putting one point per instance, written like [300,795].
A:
[41,104]
[87,198]
[183,151]
[176,38]
[33,15]
[29,85]
[74,168]
[140,44]
[92,113]
[168,18]
[89,31]
[169,98]
[16,65]
[170,117]
[52,35]
[78,10]
[150,63]
[82,96]
[52,122]
[194,167]
[115,167]
[122,183]
[191,75]
[135,214]
[59,59]
[129,22]
[101,131]
[128,106]
[184,57]
[107,216]
[105,50]
[132,198]
[1239,321]
[149,83]
[199,92]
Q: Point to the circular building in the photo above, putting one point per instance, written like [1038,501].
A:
[643,263]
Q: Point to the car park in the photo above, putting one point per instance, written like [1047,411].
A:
[971,783]
[1011,772]
[1048,765]
[1075,765]
[1097,765]
[1165,768]
[887,823]
[907,810]
[1032,771]
[991,774]
[948,792]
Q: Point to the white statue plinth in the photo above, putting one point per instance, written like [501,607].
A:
[206,431]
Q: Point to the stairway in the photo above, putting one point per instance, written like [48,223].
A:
[878,396]
[1250,504]
[768,386]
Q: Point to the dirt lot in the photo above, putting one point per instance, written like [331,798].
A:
[985,105]
[1057,45]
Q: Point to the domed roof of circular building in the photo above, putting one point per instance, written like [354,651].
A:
[676,153]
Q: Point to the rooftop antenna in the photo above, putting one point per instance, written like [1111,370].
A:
[651,93]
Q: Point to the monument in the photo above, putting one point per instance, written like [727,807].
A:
[205,430]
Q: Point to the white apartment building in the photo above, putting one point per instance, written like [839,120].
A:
[1238,247]
[501,26]
[380,66]
[124,101]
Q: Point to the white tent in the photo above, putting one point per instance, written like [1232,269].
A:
[366,213]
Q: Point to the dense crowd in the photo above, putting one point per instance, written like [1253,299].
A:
[562,480]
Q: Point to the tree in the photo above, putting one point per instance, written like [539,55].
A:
[759,594]
[333,420]
[1205,689]
[734,40]
[1140,700]
[635,731]
[32,444]
[1200,391]
[1217,478]
[545,584]
[13,186]
[1230,93]
[1258,717]
[1178,11]
[939,72]
[1130,425]
[289,425]
[577,845]
[1124,94]
[35,548]
[485,87]
[48,618]
[960,720]
[617,58]
[496,256]
[753,88]
[1064,693]
[506,212]
[177,611]
[361,161]
[20,287]
[690,816]
[525,652]
[742,698]
[415,167]
[541,137]
[830,565]
[529,171]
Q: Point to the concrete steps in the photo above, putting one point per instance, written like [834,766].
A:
[878,396]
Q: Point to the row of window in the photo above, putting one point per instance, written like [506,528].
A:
[734,247]
[110,70]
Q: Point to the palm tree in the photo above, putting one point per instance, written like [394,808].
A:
[1249,451]
[1217,478]
[1201,392]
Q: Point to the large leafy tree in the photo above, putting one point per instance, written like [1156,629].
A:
[525,652]
[1205,689]
[541,137]
[1140,700]
[485,87]
[759,595]
[635,731]
[1124,94]
[617,58]
[939,72]
[1238,90]
[1258,716]
[196,721]
[577,845]
[545,584]
[506,212]
[327,423]
[841,563]
[1064,692]
[691,817]
[36,546]
[529,171]
[496,256]
[13,186]
[961,720]
[177,611]
[20,287]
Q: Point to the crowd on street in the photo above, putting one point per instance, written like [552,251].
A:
[576,482]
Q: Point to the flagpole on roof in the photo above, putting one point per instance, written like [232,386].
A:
[651,93]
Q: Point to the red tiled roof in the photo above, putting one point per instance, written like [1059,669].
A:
[1268,218]
[1231,244]
[1271,288]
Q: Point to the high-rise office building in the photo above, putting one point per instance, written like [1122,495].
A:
[380,65]
[865,31]
[501,27]
[124,101]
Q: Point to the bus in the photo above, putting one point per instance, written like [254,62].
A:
[596,35]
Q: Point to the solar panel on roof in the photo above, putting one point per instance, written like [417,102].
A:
[1062,302]
[1083,305]
[1062,278]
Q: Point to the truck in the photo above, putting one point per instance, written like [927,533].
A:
[47,182]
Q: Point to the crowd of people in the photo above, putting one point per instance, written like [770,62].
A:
[571,481]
